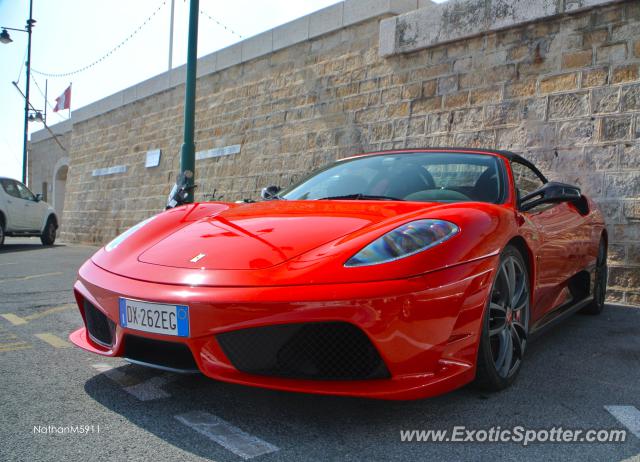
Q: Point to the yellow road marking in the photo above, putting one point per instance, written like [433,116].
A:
[17,320]
[53,340]
[32,276]
[13,319]
[55,309]
[14,346]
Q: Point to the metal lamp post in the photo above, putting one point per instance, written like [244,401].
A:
[5,38]
[188,154]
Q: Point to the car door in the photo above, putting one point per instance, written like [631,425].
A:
[32,210]
[15,211]
[559,241]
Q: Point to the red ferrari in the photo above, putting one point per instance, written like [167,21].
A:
[395,275]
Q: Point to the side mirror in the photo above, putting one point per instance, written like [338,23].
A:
[551,193]
[179,192]
[270,192]
[38,197]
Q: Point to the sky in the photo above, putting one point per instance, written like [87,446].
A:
[70,34]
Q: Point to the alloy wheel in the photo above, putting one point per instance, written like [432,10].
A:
[509,316]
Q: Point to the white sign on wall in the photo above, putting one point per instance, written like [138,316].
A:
[109,170]
[218,152]
[153,158]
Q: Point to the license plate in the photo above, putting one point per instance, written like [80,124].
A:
[155,317]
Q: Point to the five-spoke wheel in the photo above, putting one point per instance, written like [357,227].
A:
[506,323]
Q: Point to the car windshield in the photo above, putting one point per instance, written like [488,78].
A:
[421,177]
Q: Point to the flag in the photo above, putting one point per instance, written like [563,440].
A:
[64,100]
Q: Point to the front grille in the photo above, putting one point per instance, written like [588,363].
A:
[164,355]
[318,351]
[99,326]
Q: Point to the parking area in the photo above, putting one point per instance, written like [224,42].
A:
[583,374]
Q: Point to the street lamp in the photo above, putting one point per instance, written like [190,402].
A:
[6,38]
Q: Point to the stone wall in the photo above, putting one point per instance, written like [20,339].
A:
[48,161]
[563,90]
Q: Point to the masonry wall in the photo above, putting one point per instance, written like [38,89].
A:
[45,157]
[564,92]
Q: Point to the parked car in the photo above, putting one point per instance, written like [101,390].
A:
[23,213]
[395,275]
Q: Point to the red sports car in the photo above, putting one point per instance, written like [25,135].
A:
[395,275]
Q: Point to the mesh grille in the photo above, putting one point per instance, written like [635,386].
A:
[172,355]
[319,351]
[99,326]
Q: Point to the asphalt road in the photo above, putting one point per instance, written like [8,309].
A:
[570,374]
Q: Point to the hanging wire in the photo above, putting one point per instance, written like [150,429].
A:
[106,55]
[225,27]
[45,99]
[22,65]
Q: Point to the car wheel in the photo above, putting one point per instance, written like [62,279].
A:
[1,233]
[48,236]
[599,283]
[505,325]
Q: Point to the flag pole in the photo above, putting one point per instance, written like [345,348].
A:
[173,7]
[69,109]
[46,100]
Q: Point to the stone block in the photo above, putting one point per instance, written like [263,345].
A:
[291,33]
[595,77]
[616,128]
[502,114]
[356,11]
[576,133]
[611,53]
[326,20]
[577,59]
[447,85]
[558,83]
[606,99]
[568,105]
[631,98]
[230,56]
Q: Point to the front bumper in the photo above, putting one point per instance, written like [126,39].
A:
[425,328]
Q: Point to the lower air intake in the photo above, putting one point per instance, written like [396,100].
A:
[101,329]
[158,353]
[317,351]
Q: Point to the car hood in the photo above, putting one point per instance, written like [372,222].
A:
[293,242]
[265,234]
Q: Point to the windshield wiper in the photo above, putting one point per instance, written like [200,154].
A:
[361,197]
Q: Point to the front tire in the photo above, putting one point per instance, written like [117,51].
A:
[48,236]
[506,324]
[1,233]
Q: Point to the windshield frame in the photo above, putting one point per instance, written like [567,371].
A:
[503,183]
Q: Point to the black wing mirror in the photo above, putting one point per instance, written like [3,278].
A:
[270,192]
[551,193]
[38,197]
[179,192]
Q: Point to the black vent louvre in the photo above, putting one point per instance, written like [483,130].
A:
[99,326]
[318,351]
[168,355]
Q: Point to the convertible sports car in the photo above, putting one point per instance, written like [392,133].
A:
[395,275]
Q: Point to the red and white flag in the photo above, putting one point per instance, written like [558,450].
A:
[64,100]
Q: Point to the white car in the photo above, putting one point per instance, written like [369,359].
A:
[23,213]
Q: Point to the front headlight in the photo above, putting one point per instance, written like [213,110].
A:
[404,241]
[118,240]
